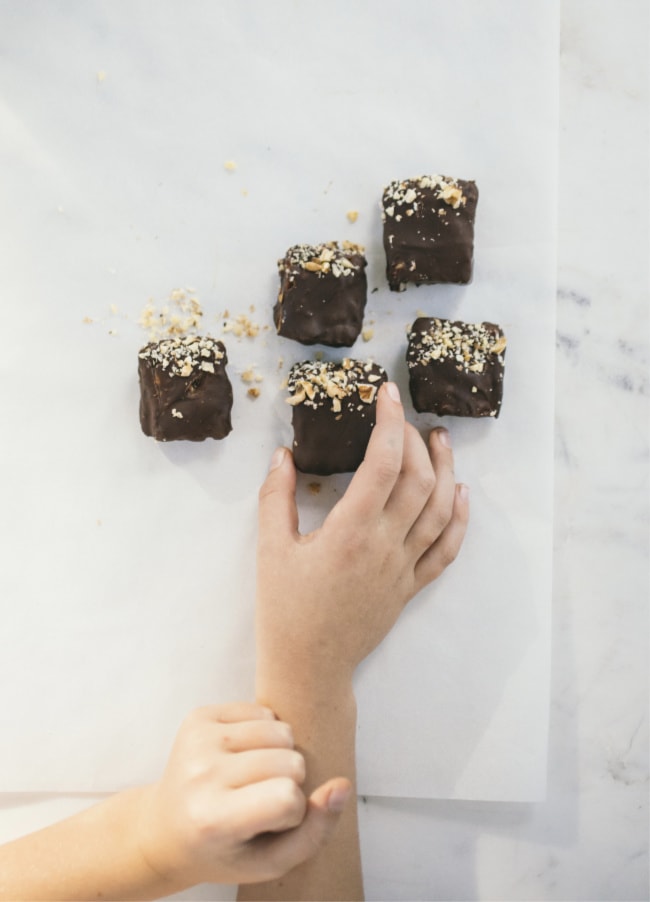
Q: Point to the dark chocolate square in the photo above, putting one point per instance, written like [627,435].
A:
[323,290]
[185,392]
[429,230]
[334,410]
[455,368]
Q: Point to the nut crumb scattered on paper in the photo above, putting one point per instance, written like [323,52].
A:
[367,334]
[240,326]
[314,487]
[253,392]
[352,215]
[181,315]
[230,165]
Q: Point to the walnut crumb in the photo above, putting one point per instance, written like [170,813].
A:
[87,320]
[314,487]
[241,326]
[230,165]
[253,392]
[367,334]
[352,215]
[367,393]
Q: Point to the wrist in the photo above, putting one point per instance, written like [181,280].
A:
[303,684]
[157,849]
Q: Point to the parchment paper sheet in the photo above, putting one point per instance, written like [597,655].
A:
[127,571]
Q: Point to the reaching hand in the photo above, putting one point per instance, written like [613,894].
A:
[326,599]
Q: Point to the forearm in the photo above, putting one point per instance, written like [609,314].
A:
[94,854]
[323,717]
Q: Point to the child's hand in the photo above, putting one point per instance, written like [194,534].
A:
[326,599]
[232,782]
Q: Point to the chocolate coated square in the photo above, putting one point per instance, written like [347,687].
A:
[323,291]
[456,368]
[334,410]
[185,393]
[429,230]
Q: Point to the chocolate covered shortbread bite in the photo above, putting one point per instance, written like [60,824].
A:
[429,230]
[334,407]
[323,290]
[456,368]
[185,392]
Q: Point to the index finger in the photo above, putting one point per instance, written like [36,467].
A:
[375,479]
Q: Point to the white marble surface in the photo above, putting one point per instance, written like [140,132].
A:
[589,840]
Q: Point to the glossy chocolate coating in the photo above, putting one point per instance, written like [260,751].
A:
[321,307]
[429,239]
[192,408]
[447,387]
[328,440]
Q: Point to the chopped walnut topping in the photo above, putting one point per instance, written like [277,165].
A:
[468,344]
[184,356]
[330,257]
[367,393]
[403,196]
[316,384]
[177,413]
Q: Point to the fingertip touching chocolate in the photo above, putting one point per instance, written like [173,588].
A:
[334,413]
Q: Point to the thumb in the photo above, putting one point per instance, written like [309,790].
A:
[324,809]
[278,514]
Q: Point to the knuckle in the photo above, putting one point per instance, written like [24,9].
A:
[441,517]
[432,526]
[285,734]
[425,483]
[386,468]
[227,740]
[297,767]
[448,554]
[200,819]
[290,799]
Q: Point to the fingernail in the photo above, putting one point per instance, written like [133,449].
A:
[337,799]
[463,492]
[445,438]
[276,460]
[393,391]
